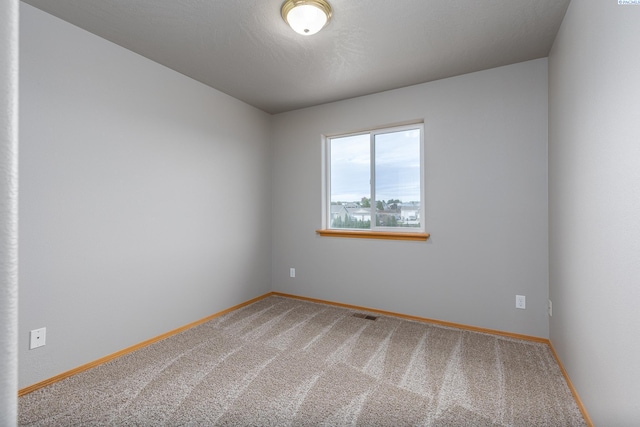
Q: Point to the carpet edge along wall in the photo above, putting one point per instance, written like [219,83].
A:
[123,352]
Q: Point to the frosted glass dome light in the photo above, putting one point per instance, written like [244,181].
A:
[306,17]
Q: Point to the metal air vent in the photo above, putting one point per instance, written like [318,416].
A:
[365,316]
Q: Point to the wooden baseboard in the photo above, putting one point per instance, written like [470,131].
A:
[417,318]
[150,341]
[133,348]
[586,416]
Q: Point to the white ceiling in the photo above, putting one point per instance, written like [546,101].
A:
[244,48]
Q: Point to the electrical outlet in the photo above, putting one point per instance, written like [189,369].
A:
[292,272]
[521,301]
[38,338]
[550,308]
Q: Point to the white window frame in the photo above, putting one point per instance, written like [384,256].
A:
[326,180]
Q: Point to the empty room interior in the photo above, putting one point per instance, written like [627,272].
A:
[172,165]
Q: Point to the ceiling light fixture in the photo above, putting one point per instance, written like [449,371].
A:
[306,17]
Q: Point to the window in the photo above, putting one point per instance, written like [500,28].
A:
[374,183]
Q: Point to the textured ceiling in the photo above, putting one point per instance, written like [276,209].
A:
[244,48]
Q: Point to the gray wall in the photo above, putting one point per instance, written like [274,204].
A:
[8,211]
[486,203]
[594,201]
[144,198]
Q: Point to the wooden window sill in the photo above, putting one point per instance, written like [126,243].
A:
[384,235]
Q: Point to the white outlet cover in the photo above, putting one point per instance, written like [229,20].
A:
[38,338]
[521,302]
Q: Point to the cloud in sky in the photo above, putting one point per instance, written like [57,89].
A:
[397,165]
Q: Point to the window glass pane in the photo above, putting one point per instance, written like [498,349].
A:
[397,178]
[350,176]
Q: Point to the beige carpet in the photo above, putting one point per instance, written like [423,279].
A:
[284,362]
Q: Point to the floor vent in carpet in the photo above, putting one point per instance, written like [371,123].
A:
[364,316]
